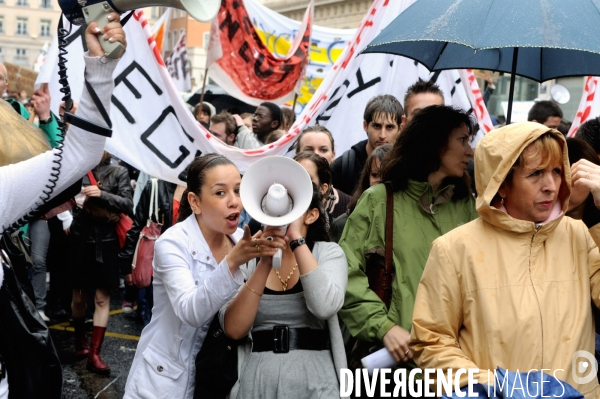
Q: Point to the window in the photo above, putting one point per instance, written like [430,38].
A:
[22,26]
[21,56]
[22,3]
[46,4]
[175,38]
[45,28]
[1,24]
[1,54]
[205,39]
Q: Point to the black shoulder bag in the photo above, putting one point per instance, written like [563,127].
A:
[217,363]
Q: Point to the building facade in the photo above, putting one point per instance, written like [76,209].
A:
[25,25]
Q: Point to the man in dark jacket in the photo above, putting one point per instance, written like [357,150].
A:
[382,119]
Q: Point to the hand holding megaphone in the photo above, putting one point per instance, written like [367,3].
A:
[112,33]
[256,246]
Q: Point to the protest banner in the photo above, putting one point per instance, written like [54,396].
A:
[153,130]
[243,66]
[39,61]
[277,32]
[20,78]
[589,105]
[179,66]
[160,28]
[340,101]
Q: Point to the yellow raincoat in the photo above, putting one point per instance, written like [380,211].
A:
[505,292]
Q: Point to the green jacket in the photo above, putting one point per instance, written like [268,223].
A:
[418,220]
[50,129]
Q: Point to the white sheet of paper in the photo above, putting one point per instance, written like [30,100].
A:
[378,360]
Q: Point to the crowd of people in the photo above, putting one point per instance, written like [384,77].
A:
[448,256]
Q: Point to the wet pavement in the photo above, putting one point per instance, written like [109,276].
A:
[117,351]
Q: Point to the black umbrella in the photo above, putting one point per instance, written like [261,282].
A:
[538,39]
[221,100]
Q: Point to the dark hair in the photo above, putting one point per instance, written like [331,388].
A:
[422,86]
[542,110]
[317,231]
[202,107]
[323,167]
[386,105]
[418,150]
[590,133]
[226,118]
[274,136]
[289,117]
[275,112]
[315,129]
[196,175]
[364,181]
[579,149]
[564,126]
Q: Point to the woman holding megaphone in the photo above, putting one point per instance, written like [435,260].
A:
[291,315]
[196,271]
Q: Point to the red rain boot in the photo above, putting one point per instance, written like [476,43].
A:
[95,363]
[81,344]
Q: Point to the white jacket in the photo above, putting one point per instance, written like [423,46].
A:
[189,289]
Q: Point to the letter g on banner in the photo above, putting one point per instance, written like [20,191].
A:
[580,367]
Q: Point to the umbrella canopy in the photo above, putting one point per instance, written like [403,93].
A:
[537,39]
[221,100]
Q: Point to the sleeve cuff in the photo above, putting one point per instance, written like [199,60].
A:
[238,277]
[385,327]
[66,218]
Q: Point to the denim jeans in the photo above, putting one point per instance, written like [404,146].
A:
[39,234]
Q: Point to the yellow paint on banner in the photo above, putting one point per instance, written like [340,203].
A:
[280,44]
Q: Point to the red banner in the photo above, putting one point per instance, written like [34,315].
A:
[245,67]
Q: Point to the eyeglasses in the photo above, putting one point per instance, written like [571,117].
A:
[2,78]
[260,116]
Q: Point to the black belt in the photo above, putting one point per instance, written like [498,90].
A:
[282,339]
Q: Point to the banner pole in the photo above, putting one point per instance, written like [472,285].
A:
[294,104]
[203,85]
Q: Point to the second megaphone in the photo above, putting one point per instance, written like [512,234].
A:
[275,191]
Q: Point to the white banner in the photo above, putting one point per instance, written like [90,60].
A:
[277,32]
[340,101]
[39,61]
[153,130]
[240,63]
[179,66]
[589,106]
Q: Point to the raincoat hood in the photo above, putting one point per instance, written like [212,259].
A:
[495,154]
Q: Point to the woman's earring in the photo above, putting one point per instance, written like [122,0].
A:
[501,200]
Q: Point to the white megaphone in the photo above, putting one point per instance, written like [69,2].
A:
[275,191]
[79,12]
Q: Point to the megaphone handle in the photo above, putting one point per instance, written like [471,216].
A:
[98,13]
[277,260]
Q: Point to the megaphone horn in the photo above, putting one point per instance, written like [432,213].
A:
[79,12]
[275,191]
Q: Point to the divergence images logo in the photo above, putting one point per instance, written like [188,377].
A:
[589,365]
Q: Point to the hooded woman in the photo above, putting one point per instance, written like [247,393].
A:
[512,288]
